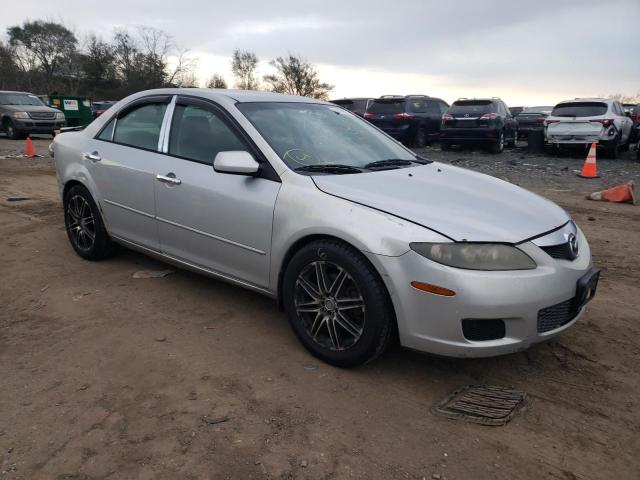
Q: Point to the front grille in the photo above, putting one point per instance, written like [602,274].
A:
[42,115]
[562,251]
[483,330]
[557,315]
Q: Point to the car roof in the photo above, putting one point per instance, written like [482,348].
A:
[603,100]
[15,91]
[240,96]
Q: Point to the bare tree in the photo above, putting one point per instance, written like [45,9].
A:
[217,81]
[243,66]
[295,76]
[625,98]
[183,71]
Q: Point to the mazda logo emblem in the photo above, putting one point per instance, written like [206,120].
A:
[466,114]
[573,245]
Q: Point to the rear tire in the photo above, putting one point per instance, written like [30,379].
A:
[85,228]
[337,305]
[498,145]
[512,142]
[612,150]
[420,138]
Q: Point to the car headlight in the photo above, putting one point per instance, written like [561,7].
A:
[476,256]
[59,116]
[20,115]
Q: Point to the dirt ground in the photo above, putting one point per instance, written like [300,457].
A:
[104,376]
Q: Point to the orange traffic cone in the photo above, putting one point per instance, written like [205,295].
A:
[620,194]
[589,167]
[29,150]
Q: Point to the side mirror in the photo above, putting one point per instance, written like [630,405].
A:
[236,163]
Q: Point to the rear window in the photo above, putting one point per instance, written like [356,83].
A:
[352,105]
[579,109]
[544,110]
[472,107]
[387,106]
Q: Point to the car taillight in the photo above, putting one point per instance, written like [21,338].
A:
[549,122]
[540,120]
[403,116]
[446,117]
[607,122]
[368,116]
[489,116]
[635,118]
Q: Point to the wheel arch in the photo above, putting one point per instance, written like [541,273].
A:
[307,239]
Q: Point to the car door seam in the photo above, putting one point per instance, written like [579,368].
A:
[210,235]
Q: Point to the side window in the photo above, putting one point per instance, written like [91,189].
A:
[432,106]
[417,105]
[107,132]
[140,127]
[199,134]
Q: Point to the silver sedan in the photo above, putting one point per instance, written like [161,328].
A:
[356,236]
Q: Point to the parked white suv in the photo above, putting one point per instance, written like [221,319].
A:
[587,120]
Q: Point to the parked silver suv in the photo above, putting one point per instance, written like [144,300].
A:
[354,234]
[587,120]
[22,113]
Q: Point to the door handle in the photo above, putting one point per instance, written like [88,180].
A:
[169,178]
[93,156]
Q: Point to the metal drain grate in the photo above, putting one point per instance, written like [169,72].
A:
[484,404]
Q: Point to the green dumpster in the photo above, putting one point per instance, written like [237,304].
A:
[77,110]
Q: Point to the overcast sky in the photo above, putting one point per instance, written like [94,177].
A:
[526,52]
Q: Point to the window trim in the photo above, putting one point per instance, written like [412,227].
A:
[160,99]
[266,170]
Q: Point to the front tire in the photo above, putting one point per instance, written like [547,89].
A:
[12,132]
[336,303]
[85,228]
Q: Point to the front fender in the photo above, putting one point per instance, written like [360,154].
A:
[302,210]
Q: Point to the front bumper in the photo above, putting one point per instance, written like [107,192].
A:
[433,324]
[469,135]
[39,126]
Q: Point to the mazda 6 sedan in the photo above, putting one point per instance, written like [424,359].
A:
[356,236]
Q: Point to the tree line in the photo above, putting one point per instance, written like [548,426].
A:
[46,57]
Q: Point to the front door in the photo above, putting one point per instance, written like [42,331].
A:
[218,221]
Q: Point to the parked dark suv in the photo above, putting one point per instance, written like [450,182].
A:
[414,119]
[480,121]
[22,113]
[356,105]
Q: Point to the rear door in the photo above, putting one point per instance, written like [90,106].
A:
[121,161]
[218,221]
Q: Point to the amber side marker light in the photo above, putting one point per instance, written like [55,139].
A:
[435,289]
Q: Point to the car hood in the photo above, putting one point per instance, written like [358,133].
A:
[458,203]
[29,108]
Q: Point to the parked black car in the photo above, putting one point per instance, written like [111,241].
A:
[356,105]
[98,108]
[413,119]
[633,111]
[515,111]
[479,121]
[22,113]
[531,119]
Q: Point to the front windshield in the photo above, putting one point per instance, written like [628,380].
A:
[306,134]
[19,99]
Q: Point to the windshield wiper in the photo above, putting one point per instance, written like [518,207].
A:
[329,168]
[391,163]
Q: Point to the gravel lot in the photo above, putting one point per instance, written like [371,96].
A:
[105,376]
